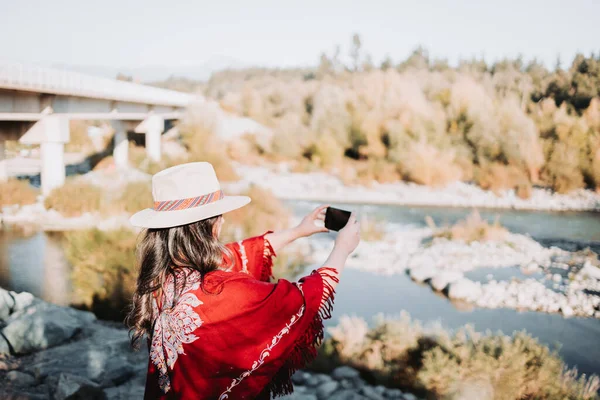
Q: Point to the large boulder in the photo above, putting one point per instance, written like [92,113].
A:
[465,289]
[20,379]
[11,302]
[7,303]
[132,389]
[4,346]
[42,326]
[590,271]
[326,389]
[345,372]
[68,386]
[103,357]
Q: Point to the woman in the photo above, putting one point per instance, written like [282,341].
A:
[216,327]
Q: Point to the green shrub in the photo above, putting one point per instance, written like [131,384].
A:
[15,191]
[76,197]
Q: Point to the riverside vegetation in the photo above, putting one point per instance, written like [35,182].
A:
[396,353]
[509,125]
[463,364]
[506,126]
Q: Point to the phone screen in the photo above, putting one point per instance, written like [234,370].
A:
[336,219]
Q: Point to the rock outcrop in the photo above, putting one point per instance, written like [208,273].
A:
[59,353]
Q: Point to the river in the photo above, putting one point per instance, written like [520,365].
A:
[35,263]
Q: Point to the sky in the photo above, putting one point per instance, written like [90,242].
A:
[279,33]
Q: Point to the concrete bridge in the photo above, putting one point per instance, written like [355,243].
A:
[37,103]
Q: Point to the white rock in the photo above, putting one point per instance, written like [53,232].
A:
[590,271]
[465,289]
[422,273]
[567,311]
[444,278]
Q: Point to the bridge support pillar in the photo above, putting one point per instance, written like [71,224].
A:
[121,145]
[51,133]
[53,166]
[3,161]
[153,126]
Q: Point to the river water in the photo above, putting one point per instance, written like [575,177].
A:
[34,262]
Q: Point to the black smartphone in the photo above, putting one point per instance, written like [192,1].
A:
[336,219]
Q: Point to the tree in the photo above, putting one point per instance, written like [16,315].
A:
[386,63]
[325,66]
[419,59]
[355,52]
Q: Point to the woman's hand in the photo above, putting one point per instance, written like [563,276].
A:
[345,243]
[307,226]
[349,236]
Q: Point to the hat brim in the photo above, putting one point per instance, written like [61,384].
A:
[150,218]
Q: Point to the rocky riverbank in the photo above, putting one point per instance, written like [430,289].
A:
[316,186]
[321,186]
[38,216]
[530,276]
[52,352]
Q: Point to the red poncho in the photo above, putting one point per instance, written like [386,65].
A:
[236,336]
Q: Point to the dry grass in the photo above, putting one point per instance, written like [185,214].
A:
[289,264]
[198,136]
[139,159]
[439,364]
[369,171]
[15,191]
[469,117]
[75,198]
[265,212]
[498,177]
[135,197]
[372,229]
[562,170]
[79,140]
[104,269]
[426,165]
[472,229]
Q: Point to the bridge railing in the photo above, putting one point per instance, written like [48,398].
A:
[34,78]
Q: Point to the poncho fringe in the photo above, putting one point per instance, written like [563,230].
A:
[306,347]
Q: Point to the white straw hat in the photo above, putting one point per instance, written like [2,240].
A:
[184,194]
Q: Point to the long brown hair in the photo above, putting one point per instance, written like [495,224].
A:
[159,253]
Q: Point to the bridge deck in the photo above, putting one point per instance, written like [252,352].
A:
[29,78]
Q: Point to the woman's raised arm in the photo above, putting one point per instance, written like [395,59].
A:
[305,228]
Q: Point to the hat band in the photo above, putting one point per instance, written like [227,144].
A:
[172,205]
